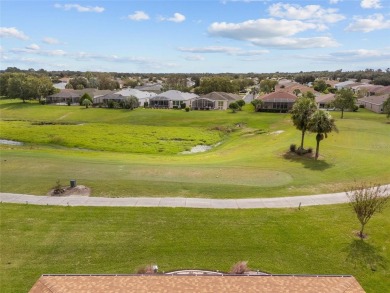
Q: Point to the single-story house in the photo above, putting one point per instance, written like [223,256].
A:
[171,99]
[373,103]
[64,97]
[344,84]
[279,101]
[214,101]
[73,96]
[197,283]
[324,101]
[127,92]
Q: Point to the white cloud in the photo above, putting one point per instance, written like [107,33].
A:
[296,43]
[194,58]
[12,32]
[51,41]
[334,1]
[33,47]
[259,29]
[376,4]
[225,50]
[371,23]
[309,12]
[272,33]
[138,16]
[177,17]
[79,8]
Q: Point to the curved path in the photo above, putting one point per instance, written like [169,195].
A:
[245,203]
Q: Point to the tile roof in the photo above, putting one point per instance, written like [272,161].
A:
[220,96]
[376,100]
[325,98]
[279,95]
[175,96]
[175,283]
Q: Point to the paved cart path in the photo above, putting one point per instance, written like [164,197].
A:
[244,203]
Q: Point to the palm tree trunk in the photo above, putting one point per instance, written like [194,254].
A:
[318,138]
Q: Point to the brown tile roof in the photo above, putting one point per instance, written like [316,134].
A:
[376,100]
[165,283]
[279,95]
[220,96]
[384,90]
[325,98]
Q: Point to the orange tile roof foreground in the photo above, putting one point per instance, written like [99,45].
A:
[174,283]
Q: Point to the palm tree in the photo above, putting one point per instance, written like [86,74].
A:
[300,114]
[321,123]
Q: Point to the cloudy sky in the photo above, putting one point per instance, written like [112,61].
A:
[195,36]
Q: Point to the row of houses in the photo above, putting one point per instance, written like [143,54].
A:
[281,100]
[167,100]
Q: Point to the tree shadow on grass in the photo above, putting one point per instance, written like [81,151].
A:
[308,161]
[363,254]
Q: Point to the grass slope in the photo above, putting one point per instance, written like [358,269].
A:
[135,153]
[80,240]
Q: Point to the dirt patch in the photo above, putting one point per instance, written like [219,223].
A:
[67,191]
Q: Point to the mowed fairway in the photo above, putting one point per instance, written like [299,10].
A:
[39,240]
[138,153]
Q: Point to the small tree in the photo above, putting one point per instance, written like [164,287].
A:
[85,97]
[366,200]
[240,103]
[321,123]
[234,107]
[345,99]
[87,103]
[257,104]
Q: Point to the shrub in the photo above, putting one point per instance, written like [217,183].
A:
[68,102]
[175,107]
[361,106]
[187,109]
[183,105]
[293,147]
[240,268]
[309,150]
[85,96]
[146,105]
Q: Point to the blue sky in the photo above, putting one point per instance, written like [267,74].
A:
[195,36]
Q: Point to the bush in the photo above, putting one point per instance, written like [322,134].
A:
[68,102]
[187,109]
[239,268]
[293,147]
[361,106]
[183,105]
[146,105]
[309,150]
[175,107]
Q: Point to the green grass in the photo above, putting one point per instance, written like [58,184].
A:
[136,153]
[39,240]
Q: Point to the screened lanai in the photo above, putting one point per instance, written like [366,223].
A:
[203,104]
[159,102]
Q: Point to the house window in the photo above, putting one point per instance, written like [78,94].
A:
[177,103]
[220,105]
